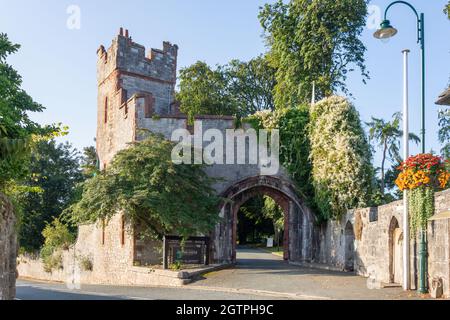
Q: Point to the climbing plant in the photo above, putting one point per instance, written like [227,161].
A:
[422,175]
[342,173]
[294,143]
[153,192]
[325,150]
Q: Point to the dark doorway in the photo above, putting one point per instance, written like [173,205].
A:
[260,218]
[349,241]
[395,251]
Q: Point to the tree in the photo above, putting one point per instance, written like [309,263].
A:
[237,88]
[444,132]
[295,146]
[313,41]
[342,172]
[161,197]
[54,173]
[387,135]
[16,127]
[274,212]
[252,224]
[251,85]
[204,91]
[89,162]
[447,10]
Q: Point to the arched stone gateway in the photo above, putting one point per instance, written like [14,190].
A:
[298,218]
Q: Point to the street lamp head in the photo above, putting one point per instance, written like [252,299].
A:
[385,31]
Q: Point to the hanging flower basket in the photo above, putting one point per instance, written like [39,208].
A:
[422,174]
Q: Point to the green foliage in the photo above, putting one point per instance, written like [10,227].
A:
[386,135]
[86,263]
[250,85]
[421,207]
[447,10]
[342,173]
[204,91]
[444,132]
[238,88]
[294,144]
[273,211]
[176,266]
[57,237]
[89,162]
[52,260]
[16,127]
[389,179]
[160,196]
[54,174]
[295,150]
[313,41]
[253,224]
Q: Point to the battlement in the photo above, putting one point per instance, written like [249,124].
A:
[128,56]
[125,71]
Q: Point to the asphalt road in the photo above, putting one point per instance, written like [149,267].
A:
[31,290]
[258,275]
[263,272]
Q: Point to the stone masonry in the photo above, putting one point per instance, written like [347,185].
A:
[135,95]
[8,250]
[373,249]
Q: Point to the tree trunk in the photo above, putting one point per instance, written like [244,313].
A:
[382,168]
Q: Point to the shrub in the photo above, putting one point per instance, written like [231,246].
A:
[342,172]
[52,259]
[161,196]
[57,238]
[86,263]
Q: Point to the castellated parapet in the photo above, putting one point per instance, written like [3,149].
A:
[128,79]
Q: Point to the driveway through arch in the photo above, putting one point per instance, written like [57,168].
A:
[299,219]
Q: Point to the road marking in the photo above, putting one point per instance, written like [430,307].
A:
[296,296]
[78,292]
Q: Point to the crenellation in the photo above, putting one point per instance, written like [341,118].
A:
[124,73]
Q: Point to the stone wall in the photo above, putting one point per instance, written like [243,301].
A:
[111,252]
[8,250]
[373,244]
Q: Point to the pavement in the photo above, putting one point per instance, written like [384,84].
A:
[260,271]
[258,275]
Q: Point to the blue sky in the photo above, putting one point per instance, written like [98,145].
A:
[58,65]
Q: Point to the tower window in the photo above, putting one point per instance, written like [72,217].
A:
[106,110]
[122,231]
[103,232]
[149,103]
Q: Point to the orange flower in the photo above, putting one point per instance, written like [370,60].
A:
[420,178]
[443,179]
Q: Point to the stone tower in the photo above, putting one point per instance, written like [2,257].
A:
[131,85]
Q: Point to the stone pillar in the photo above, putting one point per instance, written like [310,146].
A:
[222,237]
[8,250]
[295,233]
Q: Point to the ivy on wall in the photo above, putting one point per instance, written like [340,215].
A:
[342,172]
[326,152]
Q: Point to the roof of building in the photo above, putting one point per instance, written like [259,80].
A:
[444,98]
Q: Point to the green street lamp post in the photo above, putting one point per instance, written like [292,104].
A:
[387,31]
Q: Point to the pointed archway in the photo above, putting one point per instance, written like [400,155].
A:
[298,218]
